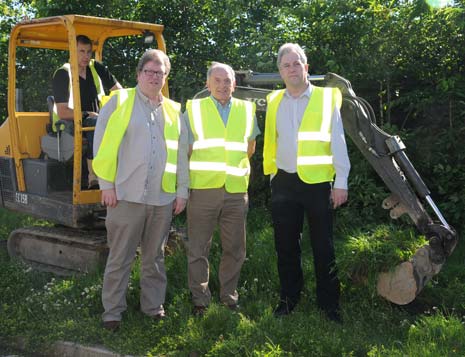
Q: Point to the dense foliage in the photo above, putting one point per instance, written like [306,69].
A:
[406,57]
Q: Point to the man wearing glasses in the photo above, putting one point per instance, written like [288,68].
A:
[304,150]
[141,161]
[222,131]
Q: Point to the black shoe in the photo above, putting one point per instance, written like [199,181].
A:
[334,315]
[112,326]
[199,311]
[284,308]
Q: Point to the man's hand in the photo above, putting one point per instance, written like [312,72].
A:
[109,198]
[92,114]
[179,205]
[338,196]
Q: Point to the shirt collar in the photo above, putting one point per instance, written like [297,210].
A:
[306,93]
[219,105]
[146,99]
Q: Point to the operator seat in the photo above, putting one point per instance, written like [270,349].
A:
[59,144]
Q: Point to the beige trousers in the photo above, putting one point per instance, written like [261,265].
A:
[128,225]
[205,209]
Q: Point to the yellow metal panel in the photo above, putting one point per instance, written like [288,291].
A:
[5,142]
[55,45]
[86,197]
[31,127]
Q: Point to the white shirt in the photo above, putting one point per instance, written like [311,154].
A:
[288,120]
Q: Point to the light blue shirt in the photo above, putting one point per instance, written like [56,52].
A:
[223,110]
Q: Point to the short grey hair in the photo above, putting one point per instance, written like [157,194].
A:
[226,67]
[291,47]
[156,56]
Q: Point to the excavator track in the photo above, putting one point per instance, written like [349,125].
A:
[60,250]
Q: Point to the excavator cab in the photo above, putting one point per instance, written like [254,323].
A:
[41,171]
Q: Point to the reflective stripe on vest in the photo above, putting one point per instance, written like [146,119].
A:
[314,156]
[98,86]
[106,161]
[219,155]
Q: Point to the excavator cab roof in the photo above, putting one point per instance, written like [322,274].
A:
[56,32]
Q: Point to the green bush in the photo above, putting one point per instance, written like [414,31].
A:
[441,156]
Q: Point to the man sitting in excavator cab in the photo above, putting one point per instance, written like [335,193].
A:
[94,79]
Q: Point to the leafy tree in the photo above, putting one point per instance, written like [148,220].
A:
[11,11]
[405,57]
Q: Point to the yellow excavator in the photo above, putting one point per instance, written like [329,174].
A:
[40,169]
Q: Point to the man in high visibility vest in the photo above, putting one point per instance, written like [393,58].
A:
[94,79]
[141,160]
[304,150]
[222,131]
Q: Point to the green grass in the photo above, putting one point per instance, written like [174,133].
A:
[43,308]
[10,221]
[365,253]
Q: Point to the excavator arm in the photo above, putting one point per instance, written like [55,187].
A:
[386,154]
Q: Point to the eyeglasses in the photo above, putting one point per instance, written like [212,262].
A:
[151,73]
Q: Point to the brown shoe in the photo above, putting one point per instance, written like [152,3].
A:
[111,325]
[160,316]
[199,311]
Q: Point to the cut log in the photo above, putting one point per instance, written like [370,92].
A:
[405,282]
[398,286]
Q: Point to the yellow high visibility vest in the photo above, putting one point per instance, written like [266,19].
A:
[106,161]
[314,156]
[97,82]
[219,155]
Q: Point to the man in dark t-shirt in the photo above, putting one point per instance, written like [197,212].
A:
[94,79]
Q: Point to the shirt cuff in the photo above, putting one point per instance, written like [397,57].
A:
[105,185]
[182,192]
[340,182]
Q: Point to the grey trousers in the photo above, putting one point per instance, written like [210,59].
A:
[128,225]
[205,209]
